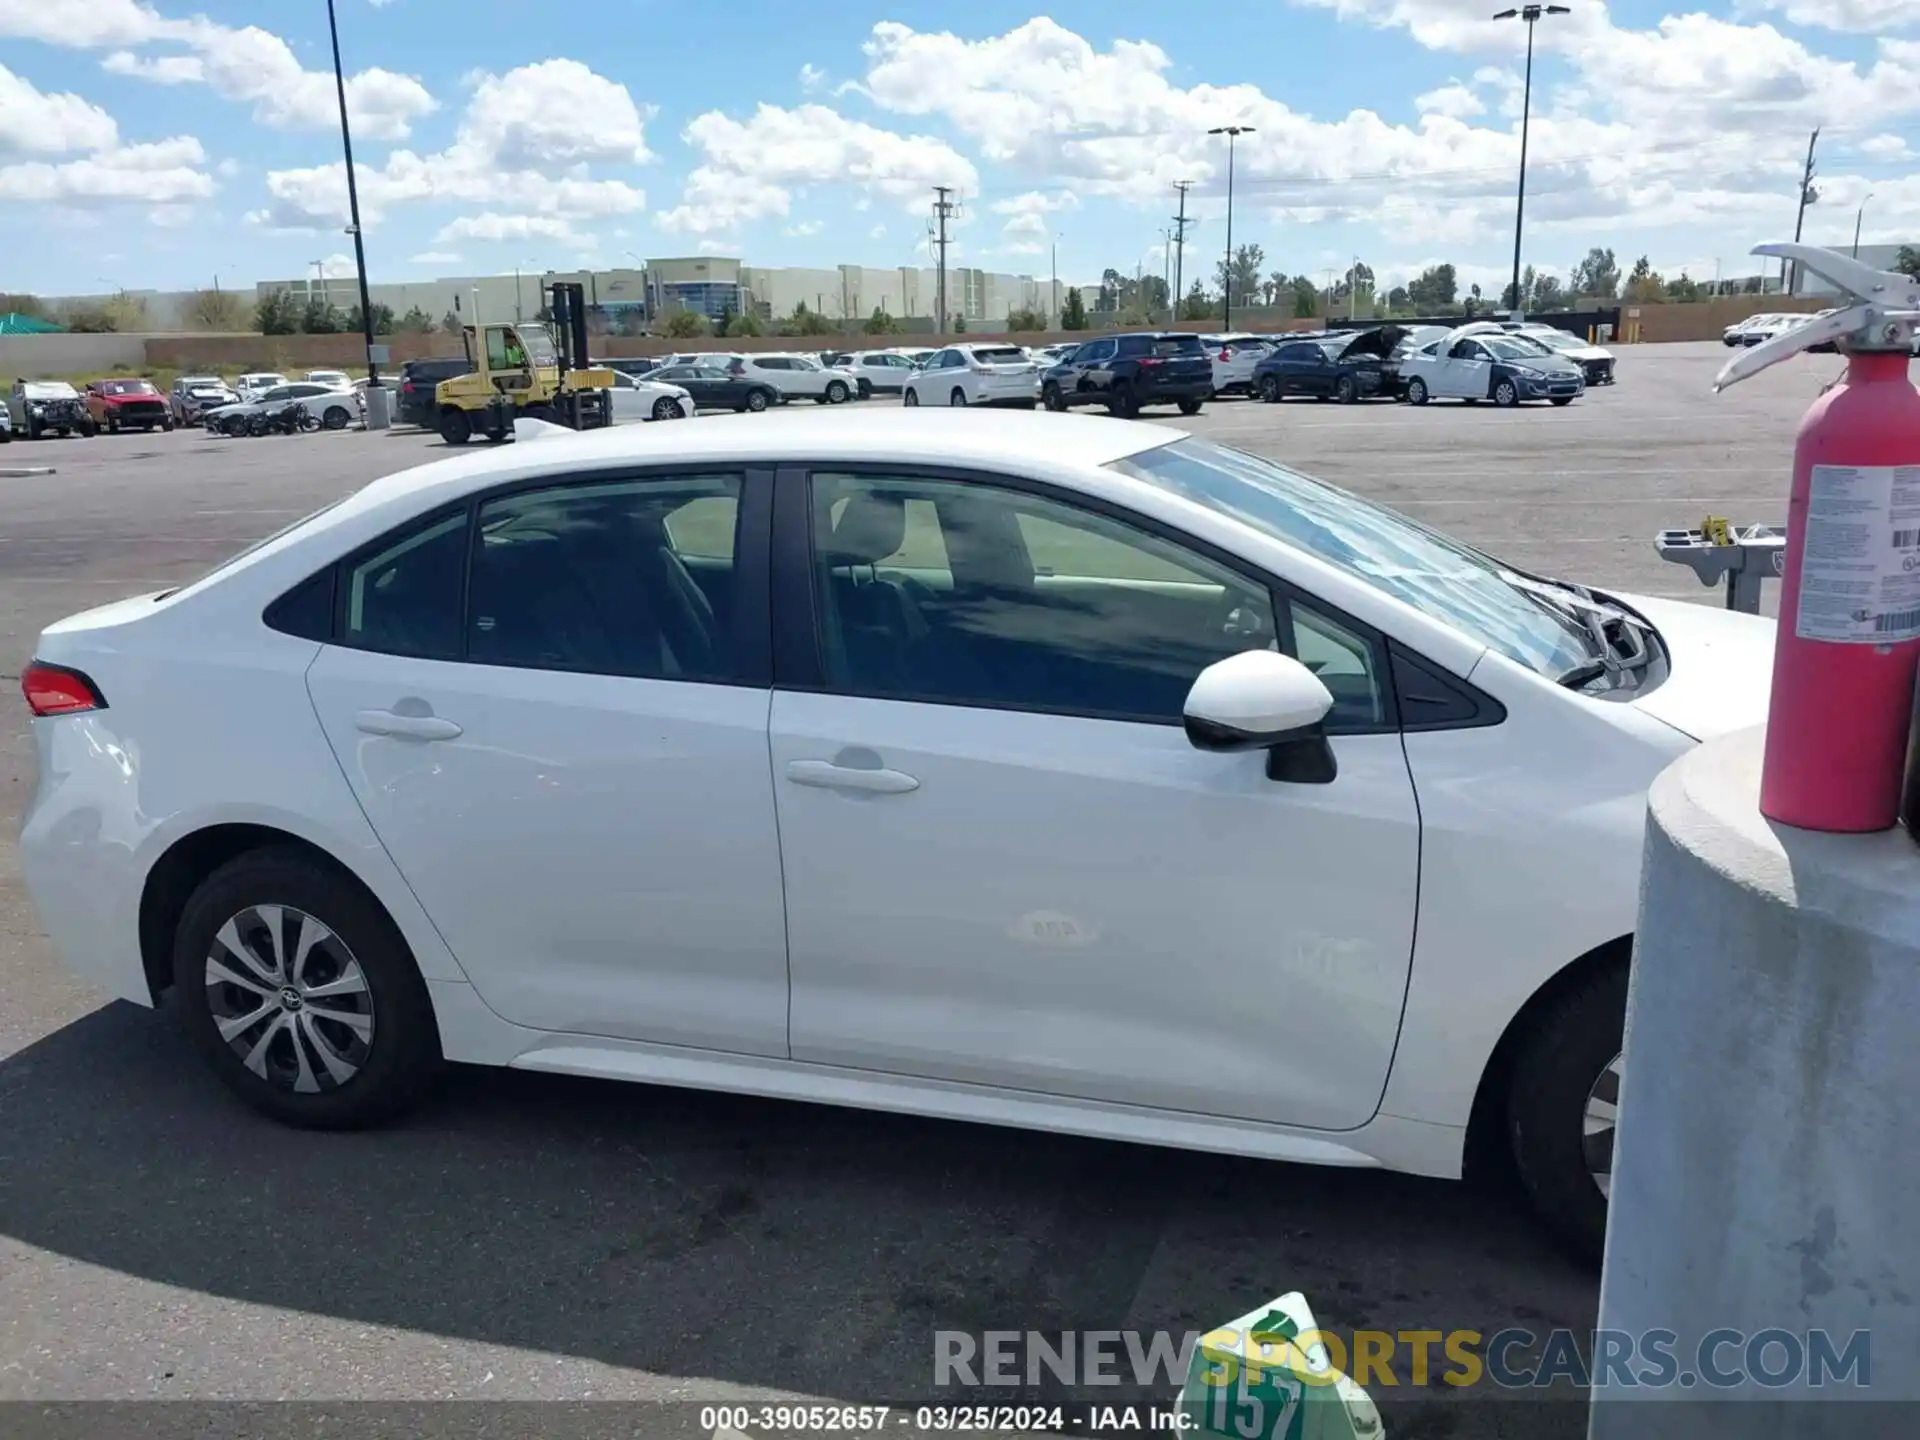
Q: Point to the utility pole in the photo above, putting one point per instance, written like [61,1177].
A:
[353,209]
[1790,273]
[1179,244]
[1232,132]
[1054,307]
[942,209]
[1530,16]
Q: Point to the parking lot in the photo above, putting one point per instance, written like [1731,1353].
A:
[535,1237]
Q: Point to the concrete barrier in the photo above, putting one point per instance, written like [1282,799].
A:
[1765,1175]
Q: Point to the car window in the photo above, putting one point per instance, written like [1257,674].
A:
[1464,350]
[279,392]
[1344,661]
[998,354]
[964,593]
[1171,345]
[405,599]
[1101,350]
[588,578]
[1300,354]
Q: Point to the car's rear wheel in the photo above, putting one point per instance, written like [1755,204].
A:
[837,392]
[1417,391]
[1051,397]
[1506,395]
[1562,1100]
[958,397]
[1270,389]
[1124,403]
[299,990]
[1189,407]
[335,417]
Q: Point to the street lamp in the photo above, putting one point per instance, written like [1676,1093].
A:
[1858,215]
[1531,15]
[1232,132]
[353,204]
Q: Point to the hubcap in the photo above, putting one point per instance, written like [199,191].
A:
[290,999]
[1596,1125]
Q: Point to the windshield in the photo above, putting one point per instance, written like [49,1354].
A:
[1433,573]
[1558,340]
[49,390]
[999,355]
[539,345]
[126,387]
[1514,347]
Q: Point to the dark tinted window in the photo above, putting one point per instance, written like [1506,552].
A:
[633,578]
[1300,354]
[966,594]
[405,598]
[1169,345]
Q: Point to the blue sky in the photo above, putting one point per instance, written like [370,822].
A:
[156,144]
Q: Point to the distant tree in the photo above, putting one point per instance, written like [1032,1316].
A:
[1434,289]
[1196,306]
[1243,274]
[1547,293]
[1073,311]
[382,321]
[1597,276]
[276,314]
[1025,319]
[807,322]
[685,324]
[879,323]
[742,325]
[959,324]
[1682,289]
[85,319]
[1907,262]
[1399,299]
[216,310]
[1644,285]
[450,323]
[127,312]
[317,317]
[1306,297]
[630,321]
[415,322]
[32,306]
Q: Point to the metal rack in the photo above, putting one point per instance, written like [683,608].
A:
[1744,557]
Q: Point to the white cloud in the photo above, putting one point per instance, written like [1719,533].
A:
[709,245]
[805,227]
[877,233]
[1453,100]
[171,217]
[812,78]
[527,145]
[164,173]
[492,226]
[37,123]
[1036,202]
[248,64]
[1884,147]
[1860,16]
[750,169]
[436,257]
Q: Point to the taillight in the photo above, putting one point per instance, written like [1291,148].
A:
[1225,354]
[56,690]
[1149,359]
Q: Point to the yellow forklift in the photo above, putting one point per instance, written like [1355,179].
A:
[527,371]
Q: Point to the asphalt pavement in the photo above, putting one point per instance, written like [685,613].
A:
[533,1237]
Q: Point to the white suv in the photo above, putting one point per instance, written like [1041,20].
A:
[1234,357]
[799,377]
[975,375]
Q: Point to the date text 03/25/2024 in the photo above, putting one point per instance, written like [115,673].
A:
[719,1420]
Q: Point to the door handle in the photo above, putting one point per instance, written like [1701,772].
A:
[405,727]
[825,775]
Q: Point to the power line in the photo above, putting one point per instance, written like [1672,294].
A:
[1179,243]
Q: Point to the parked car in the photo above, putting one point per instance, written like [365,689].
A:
[799,377]
[1234,358]
[43,407]
[634,364]
[884,371]
[127,403]
[1127,372]
[1106,694]
[1755,328]
[6,425]
[917,357]
[335,379]
[983,374]
[1343,365]
[714,384]
[637,397]
[334,408]
[1481,361]
[193,395]
[256,383]
[419,379]
[1595,362]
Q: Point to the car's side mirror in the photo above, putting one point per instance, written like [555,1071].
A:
[1263,700]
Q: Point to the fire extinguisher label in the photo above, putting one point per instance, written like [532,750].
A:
[1860,564]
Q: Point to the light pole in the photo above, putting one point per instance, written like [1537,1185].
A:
[1859,215]
[1054,308]
[1232,132]
[1531,15]
[353,204]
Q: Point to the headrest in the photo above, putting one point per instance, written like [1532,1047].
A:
[870,528]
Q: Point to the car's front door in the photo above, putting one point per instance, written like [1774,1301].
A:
[1005,864]
[1467,372]
[570,766]
[1096,367]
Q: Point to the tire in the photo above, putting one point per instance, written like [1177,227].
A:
[1347,390]
[234,427]
[1506,395]
[666,408]
[455,427]
[910,397]
[1189,407]
[1561,399]
[1124,402]
[957,398]
[167,426]
[365,1068]
[33,430]
[1051,397]
[1569,1058]
[1270,389]
[336,417]
[63,432]
[1417,391]
[756,401]
[837,392]
[259,425]
[113,424]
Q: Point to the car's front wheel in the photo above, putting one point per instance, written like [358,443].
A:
[666,408]
[1562,1103]
[909,397]
[1347,390]
[837,393]
[1051,397]
[1506,395]
[301,993]
[757,400]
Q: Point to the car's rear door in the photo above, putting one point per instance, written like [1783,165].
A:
[559,733]
[1005,864]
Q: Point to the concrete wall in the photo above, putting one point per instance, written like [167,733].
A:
[32,356]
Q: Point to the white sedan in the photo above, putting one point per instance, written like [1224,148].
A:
[637,398]
[1057,772]
[975,375]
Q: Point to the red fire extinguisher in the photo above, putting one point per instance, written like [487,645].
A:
[1849,630]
